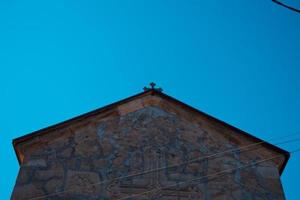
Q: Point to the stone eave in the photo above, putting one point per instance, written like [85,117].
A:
[63,124]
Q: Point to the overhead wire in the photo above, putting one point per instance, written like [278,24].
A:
[286,6]
[214,175]
[244,148]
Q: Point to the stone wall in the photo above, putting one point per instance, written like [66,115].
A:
[84,160]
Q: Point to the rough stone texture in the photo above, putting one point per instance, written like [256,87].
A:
[86,159]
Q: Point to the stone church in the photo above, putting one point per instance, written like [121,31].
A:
[148,146]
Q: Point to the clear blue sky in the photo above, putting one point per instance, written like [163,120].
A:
[236,60]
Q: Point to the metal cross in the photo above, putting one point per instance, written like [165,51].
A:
[152,87]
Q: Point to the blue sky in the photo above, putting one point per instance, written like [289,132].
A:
[235,60]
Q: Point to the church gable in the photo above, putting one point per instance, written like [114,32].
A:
[155,142]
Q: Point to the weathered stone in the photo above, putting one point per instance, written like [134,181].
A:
[36,163]
[86,149]
[106,147]
[130,107]
[66,153]
[268,172]
[119,160]
[100,164]
[24,176]
[85,134]
[58,143]
[25,192]
[151,101]
[86,165]
[101,130]
[54,185]
[72,163]
[83,183]
[55,170]
[194,167]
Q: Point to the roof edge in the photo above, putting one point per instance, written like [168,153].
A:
[24,138]
[37,133]
[264,143]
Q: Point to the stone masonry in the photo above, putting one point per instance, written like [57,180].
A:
[84,158]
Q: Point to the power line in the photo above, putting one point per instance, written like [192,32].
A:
[214,175]
[286,6]
[243,148]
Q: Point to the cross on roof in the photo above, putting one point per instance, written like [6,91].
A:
[152,87]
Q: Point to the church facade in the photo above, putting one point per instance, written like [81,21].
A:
[148,146]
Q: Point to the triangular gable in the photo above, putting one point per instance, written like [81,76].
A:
[134,103]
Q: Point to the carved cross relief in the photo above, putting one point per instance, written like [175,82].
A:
[156,181]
